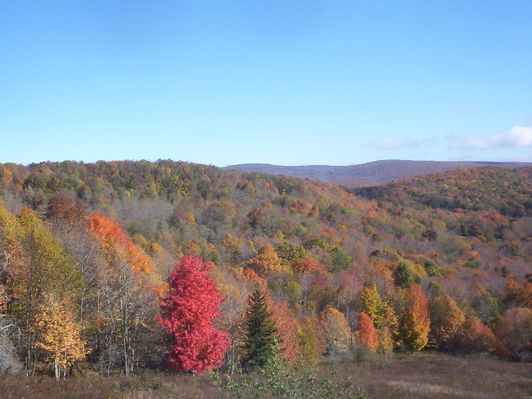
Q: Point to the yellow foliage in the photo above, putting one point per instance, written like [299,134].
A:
[336,330]
[155,247]
[59,334]
[267,261]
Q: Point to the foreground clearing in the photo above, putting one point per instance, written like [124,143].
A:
[423,375]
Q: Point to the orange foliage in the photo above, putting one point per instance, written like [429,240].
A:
[255,279]
[286,328]
[519,294]
[115,241]
[367,332]
[415,323]
[306,265]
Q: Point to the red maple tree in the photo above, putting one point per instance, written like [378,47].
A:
[368,335]
[188,312]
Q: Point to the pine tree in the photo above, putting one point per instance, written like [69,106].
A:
[261,345]
[403,276]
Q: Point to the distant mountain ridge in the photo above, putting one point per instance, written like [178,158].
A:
[368,174]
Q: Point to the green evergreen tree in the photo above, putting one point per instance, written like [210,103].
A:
[403,276]
[261,345]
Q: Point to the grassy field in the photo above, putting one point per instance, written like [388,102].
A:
[426,375]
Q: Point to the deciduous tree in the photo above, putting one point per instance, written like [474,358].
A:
[373,306]
[514,334]
[59,335]
[188,313]
[266,261]
[446,321]
[475,337]
[336,330]
[367,334]
[415,321]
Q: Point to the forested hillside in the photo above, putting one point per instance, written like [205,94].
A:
[370,173]
[441,262]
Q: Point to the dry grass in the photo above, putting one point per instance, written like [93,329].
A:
[424,375]
[435,375]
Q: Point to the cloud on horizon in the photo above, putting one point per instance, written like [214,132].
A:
[516,137]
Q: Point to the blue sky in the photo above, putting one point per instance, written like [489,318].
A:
[286,82]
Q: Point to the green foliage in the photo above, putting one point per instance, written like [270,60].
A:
[261,344]
[340,260]
[433,269]
[387,253]
[403,276]
[289,253]
[486,306]
[51,268]
[472,264]
[278,380]
[504,189]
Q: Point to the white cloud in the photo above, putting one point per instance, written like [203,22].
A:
[518,136]
[390,143]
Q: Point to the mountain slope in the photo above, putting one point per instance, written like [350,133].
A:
[313,247]
[507,190]
[367,174]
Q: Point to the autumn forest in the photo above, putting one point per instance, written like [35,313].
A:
[172,268]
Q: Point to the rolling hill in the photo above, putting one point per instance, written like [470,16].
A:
[367,174]
[457,242]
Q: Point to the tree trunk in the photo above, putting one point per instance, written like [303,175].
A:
[57,370]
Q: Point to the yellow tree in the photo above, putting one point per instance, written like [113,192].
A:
[336,330]
[311,340]
[380,312]
[37,265]
[266,261]
[415,321]
[373,306]
[386,343]
[59,336]
[446,321]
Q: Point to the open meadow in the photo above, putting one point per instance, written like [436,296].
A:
[422,375]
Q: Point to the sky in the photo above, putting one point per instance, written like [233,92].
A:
[279,81]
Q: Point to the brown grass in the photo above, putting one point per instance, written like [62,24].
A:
[423,375]
[436,375]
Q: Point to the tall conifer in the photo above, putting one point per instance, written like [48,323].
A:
[261,345]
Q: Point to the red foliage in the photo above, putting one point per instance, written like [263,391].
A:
[513,332]
[188,313]
[307,265]
[61,207]
[368,335]
[475,337]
